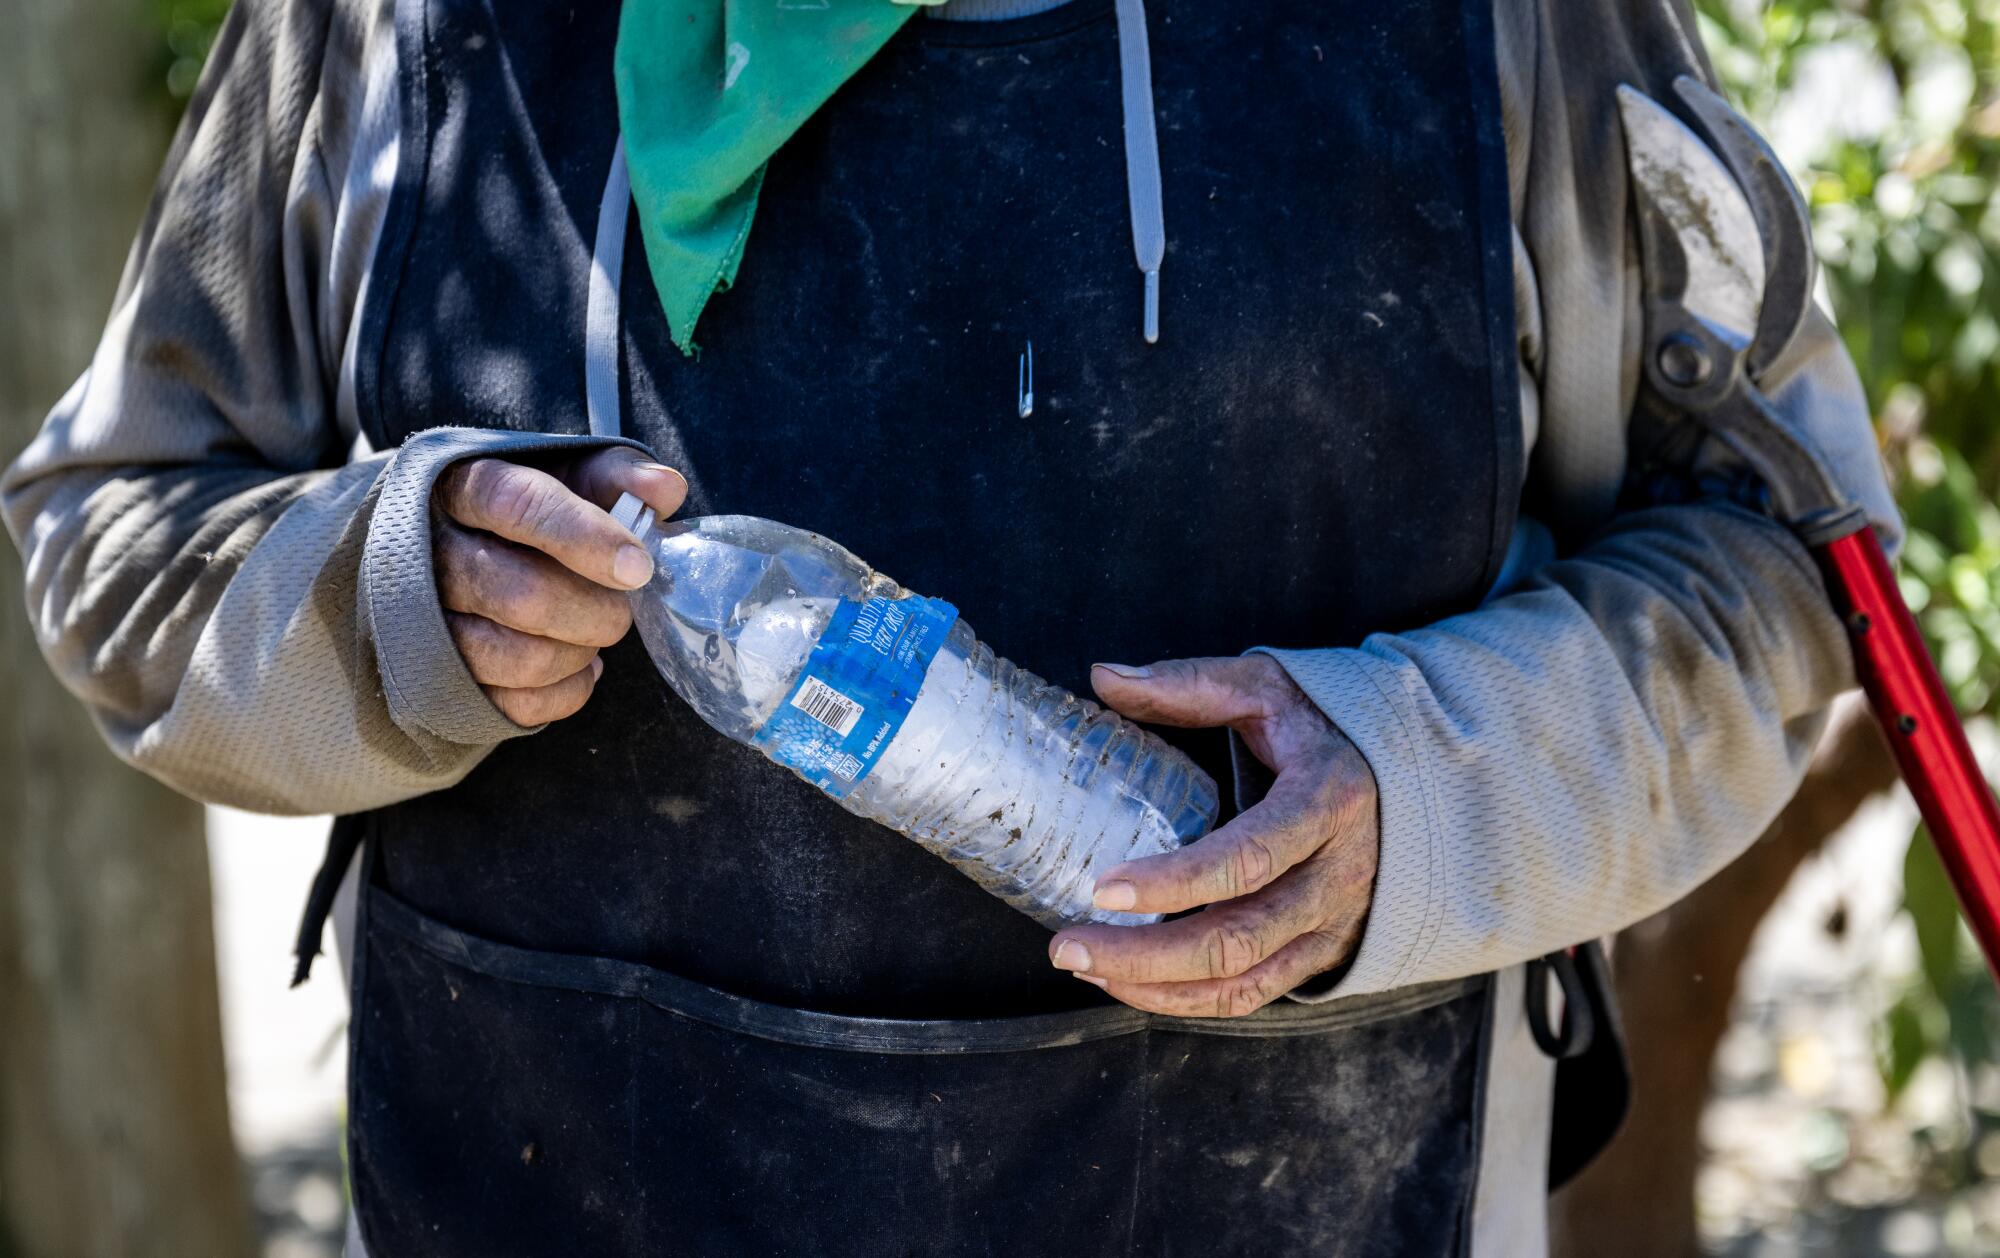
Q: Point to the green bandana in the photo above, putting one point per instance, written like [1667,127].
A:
[707,91]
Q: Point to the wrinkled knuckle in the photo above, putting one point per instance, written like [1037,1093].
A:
[1109,959]
[1252,864]
[516,497]
[1249,994]
[1240,998]
[1215,953]
[477,486]
[1189,887]
[1232,949]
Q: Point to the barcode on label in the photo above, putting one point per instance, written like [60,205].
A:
[828,706]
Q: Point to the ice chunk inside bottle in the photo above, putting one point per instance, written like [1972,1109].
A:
[887,701]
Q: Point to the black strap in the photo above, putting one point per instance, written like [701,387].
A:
[1579,1016]
[1593,1081]
[340,848]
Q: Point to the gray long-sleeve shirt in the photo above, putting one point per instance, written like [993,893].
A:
[245,601]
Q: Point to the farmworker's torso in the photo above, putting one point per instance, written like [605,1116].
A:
[630,988]
[1324,443]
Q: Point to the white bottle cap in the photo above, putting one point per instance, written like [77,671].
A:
[633,514]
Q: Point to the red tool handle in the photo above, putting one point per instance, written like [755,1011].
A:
[1922,727]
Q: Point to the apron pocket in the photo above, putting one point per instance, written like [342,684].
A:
[504,1101]
[509,1101]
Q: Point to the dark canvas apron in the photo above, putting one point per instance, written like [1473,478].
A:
[631,989]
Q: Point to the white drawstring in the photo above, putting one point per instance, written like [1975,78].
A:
[1142,155]
[600,328]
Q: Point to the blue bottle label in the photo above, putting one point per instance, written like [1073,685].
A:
[857,686]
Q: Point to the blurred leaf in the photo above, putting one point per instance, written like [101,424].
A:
[1905,1046]
[1906,220]
[187,31]
[1972,1009]
[1933,909]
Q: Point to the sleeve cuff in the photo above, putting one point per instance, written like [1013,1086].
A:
[1364,697]
[425,683]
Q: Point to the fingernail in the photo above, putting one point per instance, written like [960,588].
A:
[596,667]
[1093,980]
[1116,896]
[1071,955]
[1131,672]
[631,567]
[658,467]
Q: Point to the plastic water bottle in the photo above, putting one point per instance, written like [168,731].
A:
[885,701]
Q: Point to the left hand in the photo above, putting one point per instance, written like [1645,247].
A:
[1287,884]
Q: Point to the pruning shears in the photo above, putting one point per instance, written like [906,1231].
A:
[1726,248]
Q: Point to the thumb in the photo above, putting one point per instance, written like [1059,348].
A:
[602,476]
[1215,691]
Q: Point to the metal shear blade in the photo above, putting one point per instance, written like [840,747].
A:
[1703,251]
[1782,221]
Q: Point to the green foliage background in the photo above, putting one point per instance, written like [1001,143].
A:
[187,31]
[1907,222]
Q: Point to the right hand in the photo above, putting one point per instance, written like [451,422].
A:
[532,571]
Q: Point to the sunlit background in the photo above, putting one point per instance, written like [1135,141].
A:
[1855,1093]
[1822,996]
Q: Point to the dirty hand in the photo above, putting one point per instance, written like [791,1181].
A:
[1287,884]
[531,571]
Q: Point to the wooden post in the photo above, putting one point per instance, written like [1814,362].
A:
[114,1123]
